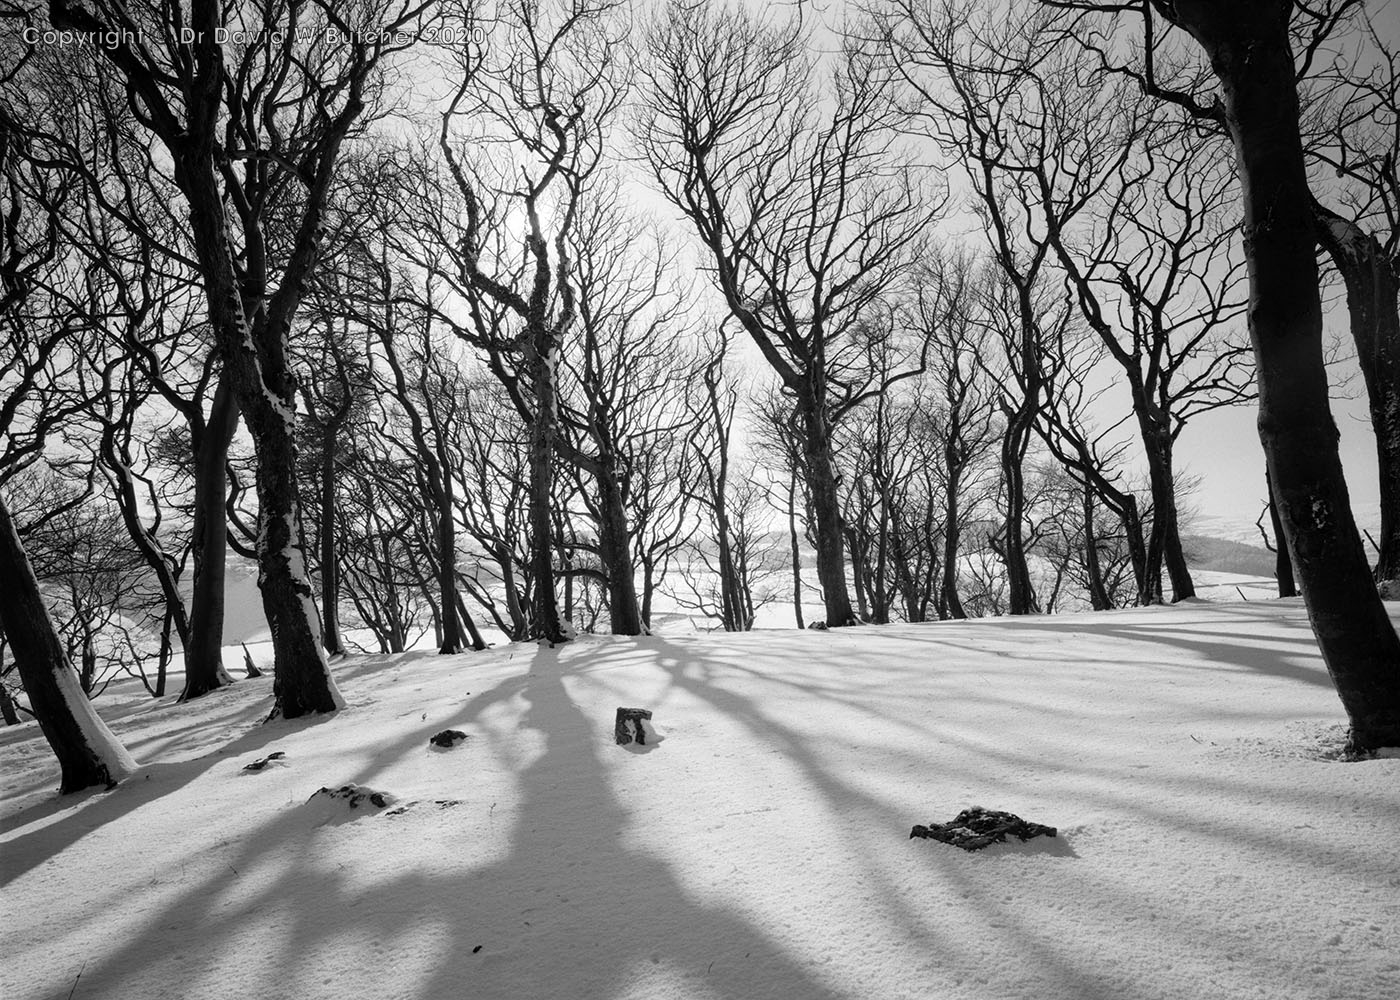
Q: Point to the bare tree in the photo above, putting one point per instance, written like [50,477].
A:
[254,133]
[947,311]
[1131,208]
[522,136]
[808,214]
[40,348]
[1250,51]
[1352,135]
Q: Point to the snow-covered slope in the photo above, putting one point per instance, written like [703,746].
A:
[1210,844]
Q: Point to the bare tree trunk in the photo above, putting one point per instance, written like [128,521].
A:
[302,682]
[1020,591]
[1164,544]
[452,617]
[1372,282]
[87,752]
[1249,49]
[1137,550]
[330,558]
[615,549]
[7,707]
[952,531]
[1098,594]
[204,658]
[545,623]
[796,548]
[826,516]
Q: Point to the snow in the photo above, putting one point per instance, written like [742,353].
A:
[1210,844]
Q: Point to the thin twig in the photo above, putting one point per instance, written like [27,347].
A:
[76,978]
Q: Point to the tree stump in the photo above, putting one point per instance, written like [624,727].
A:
[248,663]
[634,716]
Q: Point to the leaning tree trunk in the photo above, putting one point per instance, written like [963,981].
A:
[204,655]
[826,515]
[88,754]
[1372,282]
[1249,48]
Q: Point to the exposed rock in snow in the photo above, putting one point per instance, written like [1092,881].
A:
[976,828]
[355,796]
[447,739]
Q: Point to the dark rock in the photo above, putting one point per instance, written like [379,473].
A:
[440,803]
[262,762]
[818,627]
[975,828]
[448,738]
[355,796]
[634,716]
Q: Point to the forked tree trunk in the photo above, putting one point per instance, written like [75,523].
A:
[1249,49]
[252,341]
[88,754]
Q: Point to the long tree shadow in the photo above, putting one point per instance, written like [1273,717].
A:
[88,811]
[572,908]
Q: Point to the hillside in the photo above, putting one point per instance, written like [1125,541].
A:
[1210,845]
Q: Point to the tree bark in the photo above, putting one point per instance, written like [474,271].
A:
[204,657]
[615,549]
[1098,593]
[795,549]
[1164,542]
[949,602]
[826,514]
[545,623]
[7,707]
[1020,590]
[330,558]
[1249,49]
[1283,564]
[88,754]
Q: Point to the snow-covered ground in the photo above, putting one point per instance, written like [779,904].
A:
[1210,845]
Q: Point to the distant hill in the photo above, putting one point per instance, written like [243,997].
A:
[1225,556]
